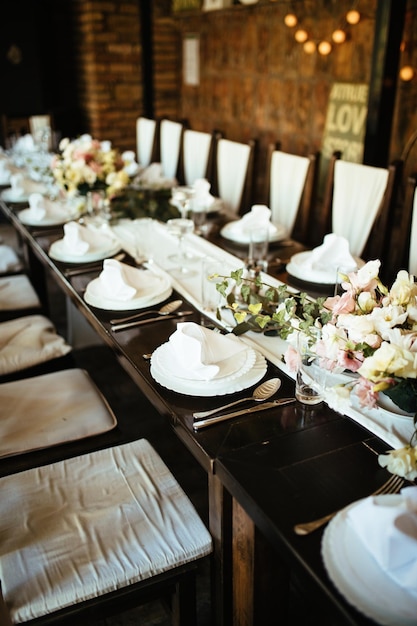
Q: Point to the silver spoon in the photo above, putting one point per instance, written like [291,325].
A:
[168,308]
[264,391]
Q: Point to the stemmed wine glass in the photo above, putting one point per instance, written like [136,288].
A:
[180,227]
[181,198]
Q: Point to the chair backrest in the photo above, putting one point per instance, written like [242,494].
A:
[41,129]
[404,240]
[197,155]
[361,202]
[170,145]
[146,139]
[291,190]
[234,174]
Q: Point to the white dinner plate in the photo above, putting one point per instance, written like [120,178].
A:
[54,218]
[359,578]
[229,231]
[148,292]
[104,248]
[296,267]
[213,387]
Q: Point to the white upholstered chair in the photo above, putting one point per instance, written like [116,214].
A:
[234,173]
[84,537]
[146,138]
[170,146]
[360,204]
[291,185]
[412,258]
[197,155]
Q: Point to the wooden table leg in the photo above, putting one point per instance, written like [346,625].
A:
[260,580]
[220,526]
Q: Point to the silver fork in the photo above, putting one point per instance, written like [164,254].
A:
[393,485]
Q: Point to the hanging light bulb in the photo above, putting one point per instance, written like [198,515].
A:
[406,73]
[339,35]
[324,48]
[353,17]
[301,35]
[309,47]
[290,20]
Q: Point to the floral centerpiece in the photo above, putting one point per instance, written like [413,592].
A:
[86,164]
[369,330]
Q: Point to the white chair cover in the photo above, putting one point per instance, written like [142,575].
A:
[412,263]
[232,168]
[51,409]
[82,527]
[170,145]
[288,176]
[357,196]
[196,151]
[9,261]
[145,136]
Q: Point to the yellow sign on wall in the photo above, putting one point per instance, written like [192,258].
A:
[346,121]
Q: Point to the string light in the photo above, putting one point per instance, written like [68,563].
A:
[353,17]
[324,48]
[290,20]
[339,36]
[301,35]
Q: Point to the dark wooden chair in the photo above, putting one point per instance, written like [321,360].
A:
[292,185]
[234,169]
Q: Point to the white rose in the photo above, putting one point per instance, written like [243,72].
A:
[402,462]
[403,288]
[387,317]
[357,326]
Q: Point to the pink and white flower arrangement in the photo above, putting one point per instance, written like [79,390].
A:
[86,164]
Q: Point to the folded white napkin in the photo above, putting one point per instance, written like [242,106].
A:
[387,526]
[114,282]
[202,198]
[37,206]
[74,239]
[21,186]
[129,163]
[331,254]
[25,143]
[198,350]
[258,216]
[153,177]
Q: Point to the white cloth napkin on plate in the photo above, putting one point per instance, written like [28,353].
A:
[199,349]
[153,177]
[25,144]
[74,240]
[114,282]
[37,207]
[21,186]
[387,526]
[202,198]
[331,254]
[258,216]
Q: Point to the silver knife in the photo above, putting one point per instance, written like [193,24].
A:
[152,320]
[254,409]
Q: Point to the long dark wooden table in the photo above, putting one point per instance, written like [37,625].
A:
[265,471]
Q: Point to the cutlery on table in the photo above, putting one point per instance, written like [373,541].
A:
[392,485]
[91,267]
[263,392]
[254,409]
[167,309]
[150,320]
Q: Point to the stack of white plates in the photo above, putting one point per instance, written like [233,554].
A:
[235,373]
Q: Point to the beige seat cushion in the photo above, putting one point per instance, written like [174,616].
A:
[29,341]
[47,410]
[85,526]
[17,292]
[9,261]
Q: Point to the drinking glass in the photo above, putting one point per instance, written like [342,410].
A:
[181,198]
[258,249]
[310,382]
[180,227]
